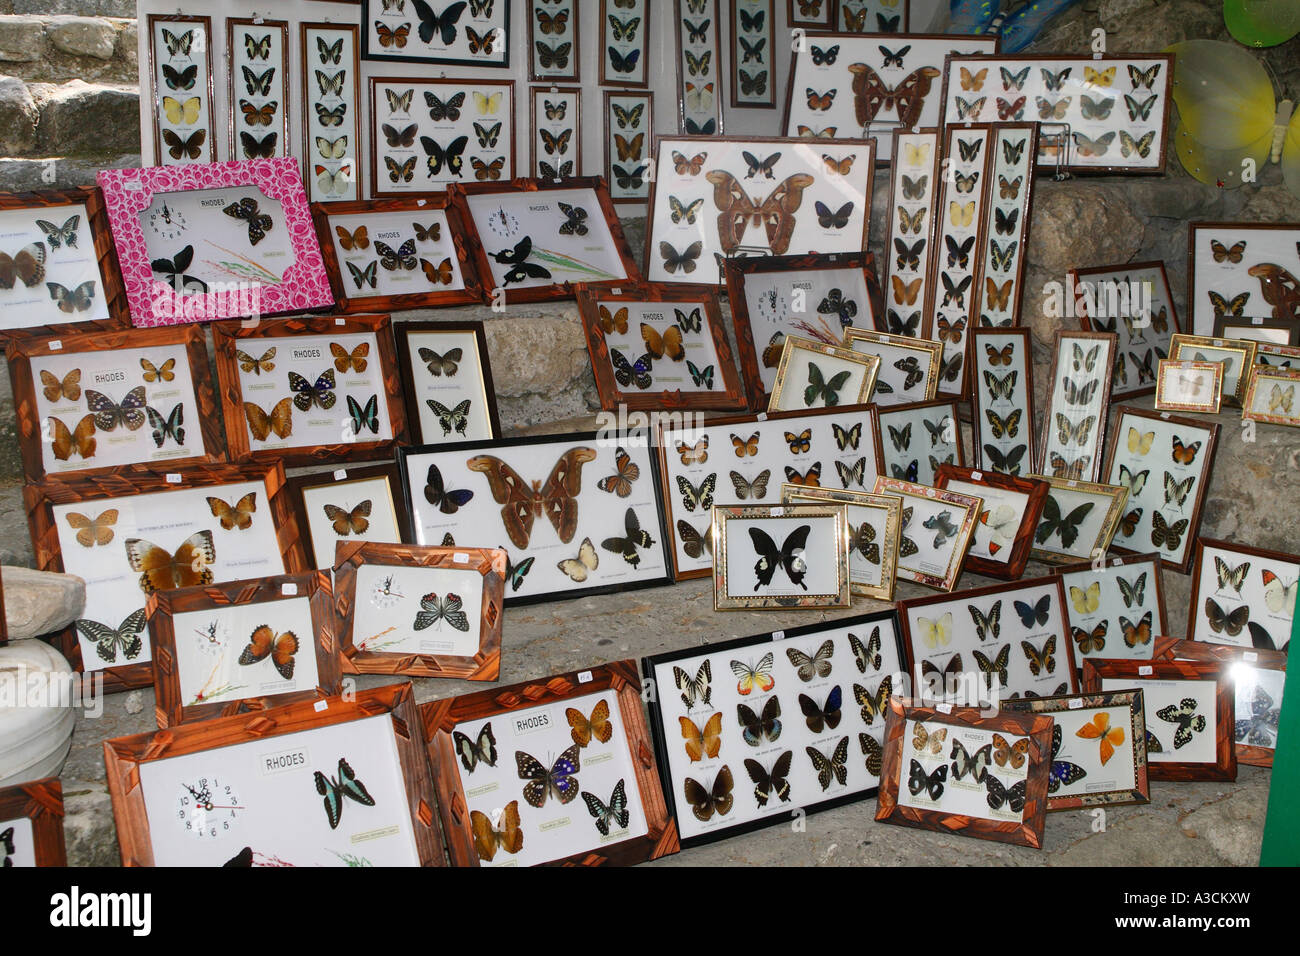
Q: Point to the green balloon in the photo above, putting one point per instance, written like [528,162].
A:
[1261,23]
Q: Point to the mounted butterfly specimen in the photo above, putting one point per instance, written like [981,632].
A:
[109,641]
[788,556]
[523,502]
[634,537]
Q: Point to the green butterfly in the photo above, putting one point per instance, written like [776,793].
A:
[819,387]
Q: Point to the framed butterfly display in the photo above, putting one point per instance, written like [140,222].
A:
[1008,518]
[629,136]
[556,121]
[957,770]
[659,348]
[872,525]
[558,770]
[31,824]
[553,47]
[909,367]
[1002,389]
[1242,270]
[538,238]
[1191,718]
[136,533]
[420,611]
[447,381]
[1115,608]
[603,528]
[919,438]
[242,647]
[747,459]
[1237,356]
[727,719]
[753,38]
[1284,332]
[935,531]
[815,375]
[810,14]
[815,297]
[257,87]
[1134,302]
[1278,356]
[699,68]
[914,173]
[1071,443]
[427,133]
[1242,596]
[180,72]
[780,556]
[336,782]
[471,32]
[332,391]
[331,113]
[97,401]
[1079,520]
[1098,748]
[1111,113]
[200,243]
[348,505]
[394,254]
[1007,210]
[1271,396]
[1189,386]
[781,184]
[881,82]
[624,43]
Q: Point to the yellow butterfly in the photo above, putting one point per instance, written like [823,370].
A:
[936,633]
[1085,602]
[487,104]
[1140,442]
[1099,77]
[916,154]
[961,215]
[1280,401]
[182,114]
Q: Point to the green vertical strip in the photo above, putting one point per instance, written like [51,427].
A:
[1282,827]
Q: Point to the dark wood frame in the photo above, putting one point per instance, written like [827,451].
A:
[26,346]
[406,369]
[1195,572]
[648,127]
[490,563]
[1035,489]
[1225,765]
[724,599]
[441,717]
[534,131]
[1189,341]
[1192,228]
[368,54]
[770,35]
[1223,322]
[1093,471]
[282,66]
[229,334]
[1026,208]
[607,80]
[1038,728]
[156,94]
[123,756]
[170,708]
[1086,323]
[571,35]
[1151,559]
[1110,524]
[354,128]
[1025,353]
[298,484]
[39,500]
[41,802]
[731,396]
[908,489]
[471,294]
[679,68]
[953,412]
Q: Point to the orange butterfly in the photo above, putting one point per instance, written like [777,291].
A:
[261,424]
[810,479]
[905,294]
[701,743]
[161,570]
[669,343]
[258,116]
[441,274]
[158,373]
[611,321]
[390,37]
[999,298]
[93,531]
[745,446]
[80,439]
[356,359]
[355,521]
[999,356]
[487,837]
[699,452]
[358,239]
[265,643]
[683,166]
[840,167]
[820,101]
[490,170]
[951,331]
[1099,728]
[585,728]
[1185,454]
[240,516]
[69,387]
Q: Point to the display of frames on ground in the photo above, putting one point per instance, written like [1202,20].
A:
[629,138]
[966,772]
[914,176]
[1098,749]
[1190,714]
[880,83]
[331,113]
[917,439]
[832,292]
[1242,270]
[1236,355]
[348,504]
[552,40]
[180,54]
[98,400]
[1010,190]
[816,375]
[244,646]
[536,238]
[624,43]
[198,243]
[310,390]
[65,268]
[515,759]
[1115,610]
[1271,396]
[727,718]
[909,367]
[872,525]
[556,124]
[1115,110]
[1002,389]
[603,529]
[423,612]
[792,555]
[132,534]
[1075,424]
[998,642]
[1134,302]
[31,824]
[392,254]
[1079,519]
[1246,603]
[426,133]
[699,68]
[257,67]
[447,381]
[477,34]
[1008,518]
[934,532]
[659,348]
[752,457]
[1164,461]
[753,48]
[1189,387]
[338,782]
[785,184]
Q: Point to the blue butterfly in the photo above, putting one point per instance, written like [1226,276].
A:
[1029,614]
[1062,773]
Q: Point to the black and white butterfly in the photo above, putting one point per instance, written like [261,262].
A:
[1184,715]
[634,536]
[788,556]
[605,814]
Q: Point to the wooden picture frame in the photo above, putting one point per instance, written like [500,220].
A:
[172,615]
[889,18]
[247,61]
[1220,257]
[1103,298]
[1267,591]
[1100,624]
[421,386]
[333,174]
[1010,188]
[753,27]
[483,43]
[1092,396]
[447,722]
[327,500]
[1277,356]
[130,776]
[628,114]
[1090,533]
[923,357]
[365,654]
[810,386]
[624,44]
[826,538]
[699,68]
[818,15]
[873,536]
[1189,387]
[1270,393]
[1277,331]
[555,124]
[936,505]
[936,421]
[1024,497]
[192,140]
[37,808]
[551,25]
[1002,425]
[1236,355]
[914,175]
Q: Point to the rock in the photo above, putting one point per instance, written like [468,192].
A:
[40,602]
[544,364]
[80,118]
[134,702]
[128,43]
[83,36]
[91,8]
[18,117]
[22,39]
[86,807]
[36,719]
[23,175]
[1234,828]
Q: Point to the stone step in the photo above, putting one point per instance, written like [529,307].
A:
[54,48]
[68,119]
[82,8]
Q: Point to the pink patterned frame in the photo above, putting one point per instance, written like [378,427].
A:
[127,192]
